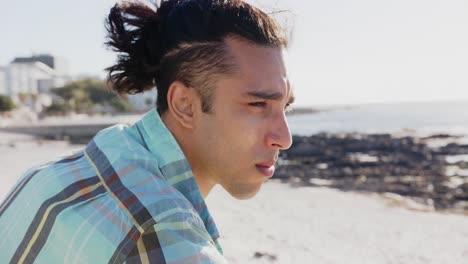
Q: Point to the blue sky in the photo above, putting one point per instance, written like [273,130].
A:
[343,52]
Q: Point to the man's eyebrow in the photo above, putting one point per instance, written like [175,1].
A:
[267,95]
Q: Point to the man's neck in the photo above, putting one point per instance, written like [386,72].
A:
[182,137]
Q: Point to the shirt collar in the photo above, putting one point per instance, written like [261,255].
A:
[157,137]
[173,164]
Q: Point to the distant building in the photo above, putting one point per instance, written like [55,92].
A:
[3,85]
[33,75]
[25,77]
[58,64]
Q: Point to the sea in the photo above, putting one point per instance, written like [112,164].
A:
[414,119]
[426,118]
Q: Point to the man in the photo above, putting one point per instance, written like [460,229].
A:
[136,194]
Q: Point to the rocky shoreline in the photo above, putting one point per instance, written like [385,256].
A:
[433,170]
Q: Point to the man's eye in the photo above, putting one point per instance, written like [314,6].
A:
[287,108]
[258,104]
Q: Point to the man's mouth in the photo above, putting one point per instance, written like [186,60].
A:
[266,168]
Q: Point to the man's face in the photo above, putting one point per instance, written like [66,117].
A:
[240,139]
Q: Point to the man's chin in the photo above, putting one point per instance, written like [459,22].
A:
[245,193]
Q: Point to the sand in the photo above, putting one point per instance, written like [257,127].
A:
[285,224]
[321,225]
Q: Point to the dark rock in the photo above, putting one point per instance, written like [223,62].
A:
[268,256]
[440,136]
[377,163]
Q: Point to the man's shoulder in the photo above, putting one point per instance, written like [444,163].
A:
[55,173]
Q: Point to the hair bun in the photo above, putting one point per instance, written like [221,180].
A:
[154,31]
[135,32]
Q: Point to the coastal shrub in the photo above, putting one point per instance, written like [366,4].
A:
[86,96]
[58,108]
[120,105]
[6,104]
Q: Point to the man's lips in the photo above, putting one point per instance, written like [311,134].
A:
[266,168]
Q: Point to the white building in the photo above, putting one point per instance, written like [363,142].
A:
[34,75]
[60,65]
[24,78]
[3,85]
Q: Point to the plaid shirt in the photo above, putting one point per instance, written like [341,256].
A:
[128,197]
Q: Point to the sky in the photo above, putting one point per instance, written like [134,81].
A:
[342,52]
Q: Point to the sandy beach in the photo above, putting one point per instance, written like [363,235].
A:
[285,224]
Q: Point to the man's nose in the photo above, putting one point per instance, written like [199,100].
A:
[279,134]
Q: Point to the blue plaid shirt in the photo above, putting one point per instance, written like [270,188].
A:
[128,197]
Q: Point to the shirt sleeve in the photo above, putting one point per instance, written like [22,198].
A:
[175,243]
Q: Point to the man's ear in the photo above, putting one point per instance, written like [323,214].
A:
[182,103]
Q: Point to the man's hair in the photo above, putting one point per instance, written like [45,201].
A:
[181,40]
